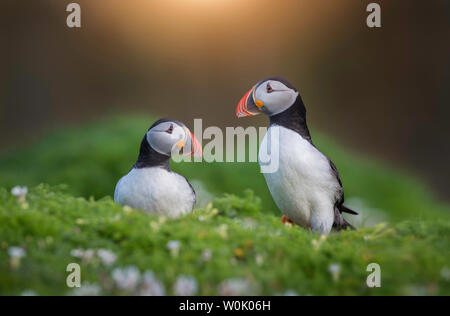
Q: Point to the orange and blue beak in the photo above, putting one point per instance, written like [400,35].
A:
[249,105]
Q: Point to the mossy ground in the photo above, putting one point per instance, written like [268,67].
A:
[240,231]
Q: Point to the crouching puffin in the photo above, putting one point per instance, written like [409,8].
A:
[306,185]
[151,185]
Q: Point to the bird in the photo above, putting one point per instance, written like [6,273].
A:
[306,185]
[151,185]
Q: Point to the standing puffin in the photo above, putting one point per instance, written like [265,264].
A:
[151,185]
[306,185]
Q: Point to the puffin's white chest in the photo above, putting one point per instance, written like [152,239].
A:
[156,191]
[303,186]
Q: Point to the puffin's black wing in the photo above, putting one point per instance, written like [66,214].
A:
[193,191]
[335,172]
[340,198]
[340,193]
[339,221]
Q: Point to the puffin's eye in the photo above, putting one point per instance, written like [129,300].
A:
[269,88]
[170,129]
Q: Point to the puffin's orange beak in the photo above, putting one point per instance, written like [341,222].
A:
[248,106]
[190,146]
[196,148]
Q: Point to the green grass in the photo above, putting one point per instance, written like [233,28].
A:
[92,158]
[411,254]
[241,229]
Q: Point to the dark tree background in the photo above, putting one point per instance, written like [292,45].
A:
[382,92]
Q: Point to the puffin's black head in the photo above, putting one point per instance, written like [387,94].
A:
[271,96]
[164,138]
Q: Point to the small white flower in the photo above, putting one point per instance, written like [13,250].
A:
[87,289]
[155,226]
[173,244]
[290,293]
[222,230]
[16,252]
[206,255]
[162,220]
[249,223]
[259,259]
[174,247]
[151,286]
[88,254]
[77,253]
[107,256]
[28,293]
[19,191]
[335,270]
[185,286]
[317,243]
[238,287]
[126,278]
[21,194]
[127,209]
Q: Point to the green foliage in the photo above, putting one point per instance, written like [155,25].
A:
[231,205]
[92,158]
[245,243]
[237,236]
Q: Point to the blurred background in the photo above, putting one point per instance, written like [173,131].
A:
[383,93]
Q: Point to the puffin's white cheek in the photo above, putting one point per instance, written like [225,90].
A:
[285,99]
[280,98]
[160,142]
[281,101]
[273,103]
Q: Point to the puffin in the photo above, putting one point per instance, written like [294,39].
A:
[306,185]
[151,185]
